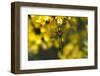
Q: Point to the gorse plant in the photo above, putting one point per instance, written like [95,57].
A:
[57,37]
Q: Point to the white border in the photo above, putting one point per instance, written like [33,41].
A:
[25,64]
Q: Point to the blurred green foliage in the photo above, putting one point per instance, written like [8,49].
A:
[57,37]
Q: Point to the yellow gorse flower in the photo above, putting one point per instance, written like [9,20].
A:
[43,36]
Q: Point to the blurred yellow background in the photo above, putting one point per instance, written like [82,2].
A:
[57,37]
